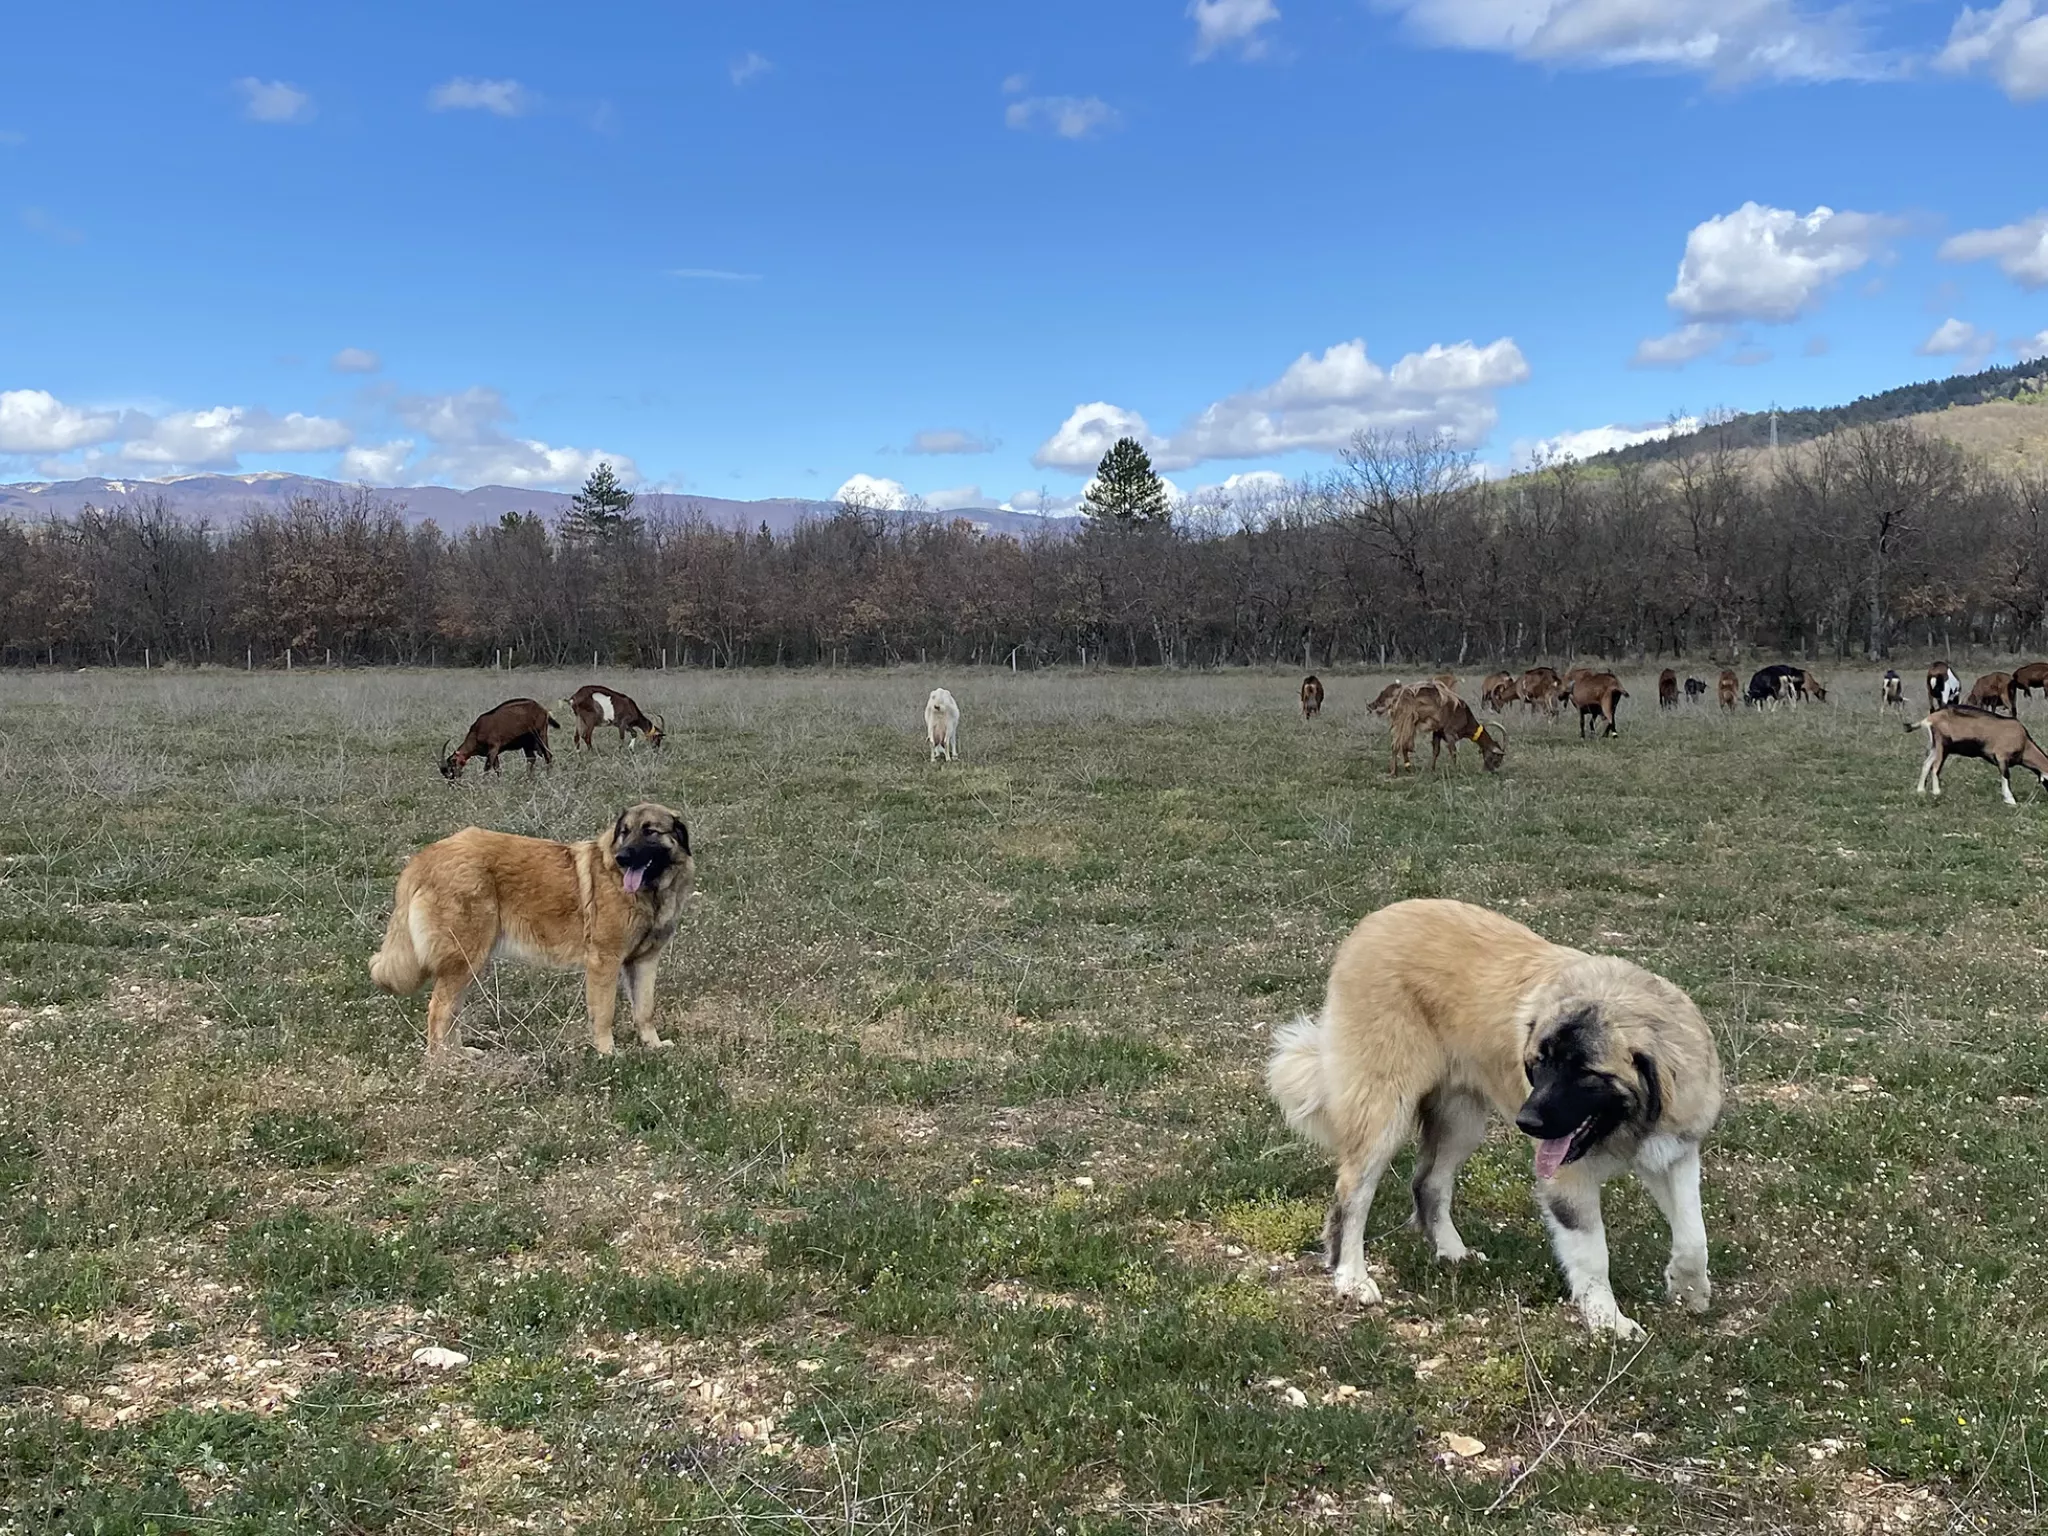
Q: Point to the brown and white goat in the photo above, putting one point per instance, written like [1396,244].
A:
[594,706]
[1943,686]
[1894,691]
[1386,698]
[516,725]
[1498,691]
[1311,696]
[1449,720]
[1963,730]
[1596,696]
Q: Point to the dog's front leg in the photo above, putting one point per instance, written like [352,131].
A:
[640,989]
[1571,1209]
[1675,1186]
[601,994]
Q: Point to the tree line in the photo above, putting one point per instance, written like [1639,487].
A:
[1879,540]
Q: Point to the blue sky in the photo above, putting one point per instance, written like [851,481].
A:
[760,250]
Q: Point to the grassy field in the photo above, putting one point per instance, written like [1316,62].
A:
[959,1205]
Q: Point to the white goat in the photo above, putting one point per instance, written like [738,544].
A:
[942,725]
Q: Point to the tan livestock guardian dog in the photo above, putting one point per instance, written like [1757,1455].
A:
[606,907]
[1437,1012]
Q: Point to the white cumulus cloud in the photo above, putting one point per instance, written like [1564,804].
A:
[215,438]
[2031,348]
[505,98]
[2010,42]
[272,101]
[1727,40]
[36,421]
[1318,403]
[2021,250]
[470,445]
[1071,117]
[1231,24]
[1086,435]
[1771,264]
[377,463]
[873,491]
[1958,338]
[1588,441]
[355,360]
[750,66]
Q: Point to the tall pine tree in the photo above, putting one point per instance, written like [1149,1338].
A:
[1126,493]
[601,511]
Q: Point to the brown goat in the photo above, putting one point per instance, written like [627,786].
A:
[516,724]
[594,706]
[1992,690]
[1729,688]
[1311,696]
[1497,690]
[1387,696]
[1543,689]
[1962,730]
[2033,675]
[1449,720]
[1667,689]
[1596,695]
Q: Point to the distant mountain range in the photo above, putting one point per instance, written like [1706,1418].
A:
[227,498]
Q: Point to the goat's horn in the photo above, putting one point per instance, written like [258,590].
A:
[447,749]
[1496,728]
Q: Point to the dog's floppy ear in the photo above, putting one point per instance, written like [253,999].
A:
[1653,1088]
[680,832]
[619,828]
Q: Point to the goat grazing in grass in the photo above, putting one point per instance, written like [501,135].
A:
[1449,720]
[515,725]
[1963,730]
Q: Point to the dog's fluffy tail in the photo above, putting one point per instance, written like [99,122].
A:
[1295,1078]
[396,967]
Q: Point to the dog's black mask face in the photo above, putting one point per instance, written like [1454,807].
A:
[1574,1104]
[647,842]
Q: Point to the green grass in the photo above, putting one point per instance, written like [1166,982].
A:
[959,1205]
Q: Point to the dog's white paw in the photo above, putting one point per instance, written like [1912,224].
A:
[659,1044]
[1357,1285]
[1691,1289]
[1455,1252]
[1602,1315]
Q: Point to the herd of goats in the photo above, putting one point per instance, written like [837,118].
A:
[1956,726]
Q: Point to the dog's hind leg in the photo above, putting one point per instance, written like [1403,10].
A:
[1358,1176]
[1453,1125]
[640,992]
[1675,1186]
[444,1039]
[1571,1209]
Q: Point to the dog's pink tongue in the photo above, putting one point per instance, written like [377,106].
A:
[634,874]
[1550,1156]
